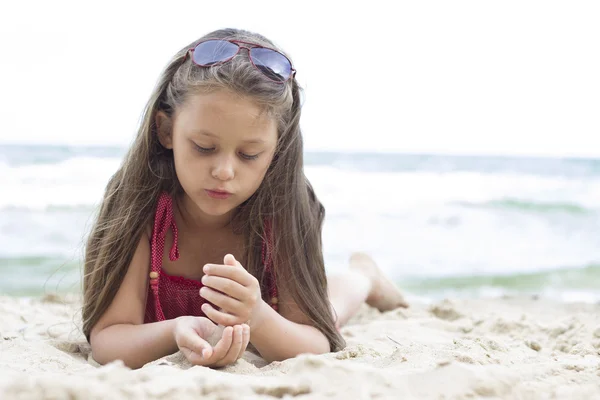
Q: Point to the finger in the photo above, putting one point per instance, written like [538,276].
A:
[236,345]
[235,273]
[229,259]
[227,286]
[194,348]
[222,347]
[245,340]
[220,317]
[221,300]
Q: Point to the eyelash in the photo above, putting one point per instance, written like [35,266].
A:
[204,150]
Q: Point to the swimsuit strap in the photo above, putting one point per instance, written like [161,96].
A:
[163,220]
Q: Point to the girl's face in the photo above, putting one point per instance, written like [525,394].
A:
[223,145]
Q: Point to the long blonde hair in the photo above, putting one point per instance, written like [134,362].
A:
[285,196]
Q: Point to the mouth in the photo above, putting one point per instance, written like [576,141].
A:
[217,194]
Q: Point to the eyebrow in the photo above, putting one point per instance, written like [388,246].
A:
[253,141]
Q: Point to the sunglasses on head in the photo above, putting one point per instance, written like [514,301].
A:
[273,64]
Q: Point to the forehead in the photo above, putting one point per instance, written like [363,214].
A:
[225,114]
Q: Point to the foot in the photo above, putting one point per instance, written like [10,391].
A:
[384,294]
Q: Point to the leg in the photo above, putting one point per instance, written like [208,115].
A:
[363,282]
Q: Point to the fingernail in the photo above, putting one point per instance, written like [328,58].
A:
[206,268]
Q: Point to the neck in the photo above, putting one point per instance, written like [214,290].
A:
[194,219]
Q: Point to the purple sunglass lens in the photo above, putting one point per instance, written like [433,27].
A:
[273,64]
[213,52]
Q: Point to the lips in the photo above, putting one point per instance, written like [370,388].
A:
[218,194]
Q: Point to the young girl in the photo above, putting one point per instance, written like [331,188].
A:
[209,235]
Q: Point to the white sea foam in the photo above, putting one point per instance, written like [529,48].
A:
[416,222]
[80,181]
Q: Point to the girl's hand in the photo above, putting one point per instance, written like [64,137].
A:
[236,292]
[204,343]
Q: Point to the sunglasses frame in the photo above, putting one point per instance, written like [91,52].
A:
[243,45]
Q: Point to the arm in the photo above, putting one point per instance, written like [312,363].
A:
[120,333]
[281,336]
[135,345]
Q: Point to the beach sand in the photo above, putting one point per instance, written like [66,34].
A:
[510,348]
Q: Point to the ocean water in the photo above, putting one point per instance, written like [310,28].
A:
[438,225]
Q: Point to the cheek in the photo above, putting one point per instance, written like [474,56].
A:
[261,171]
[188,165]
[252,176]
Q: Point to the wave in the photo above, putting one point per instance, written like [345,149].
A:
[382,161]
[575,278]
[35,275]
[38,261]
[396,193]
[22,155]
[73,183]
[51,208]
[578,283]
[529,206]
[79,182]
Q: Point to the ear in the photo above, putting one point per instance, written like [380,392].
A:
[164,129]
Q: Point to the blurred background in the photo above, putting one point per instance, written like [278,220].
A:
[457,142]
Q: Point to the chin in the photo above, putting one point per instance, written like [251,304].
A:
[215,208]
[216,211]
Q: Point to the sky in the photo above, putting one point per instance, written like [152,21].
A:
[460,77]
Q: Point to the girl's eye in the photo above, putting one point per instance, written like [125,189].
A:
[206,150]
[203,149]
[248,156]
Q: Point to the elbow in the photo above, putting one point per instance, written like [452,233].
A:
[99,356]
[103,353]
[317,347]
[324,347]
[103,358]
[321,346]
[97,353]
[98,347]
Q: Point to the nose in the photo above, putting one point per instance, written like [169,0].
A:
[223,169]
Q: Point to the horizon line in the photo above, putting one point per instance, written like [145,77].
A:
[389,151]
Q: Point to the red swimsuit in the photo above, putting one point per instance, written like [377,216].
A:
[173,296]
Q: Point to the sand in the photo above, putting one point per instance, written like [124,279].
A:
[510,348]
